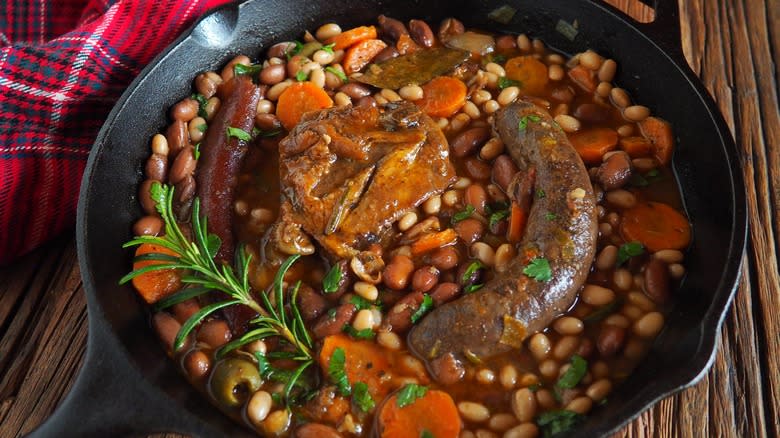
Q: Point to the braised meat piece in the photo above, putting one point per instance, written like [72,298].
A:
[348,173]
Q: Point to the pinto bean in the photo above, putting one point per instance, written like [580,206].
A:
[279,50]
[468,141]
[425,278]
[449,28]
[477,169]
[444,292]
[167,328]
[316,430]
[469,230]
[215,333]
[591,113]
[387,53]
[448,369]
[396,274]
[149,225]
[197,364]
[506,42]
[504,169]
[445,258]
[421,33]
[391,27]
[656,284]
[611,339]
[183,165]
[184,190]
[355,90]
[615,171]
[177,136]
[267,122]
[184,310]
[185,110]
[273,74]
[399,318]
[145,197]
[311,303]
[332,324]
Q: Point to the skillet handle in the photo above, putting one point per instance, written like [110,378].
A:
[102,403]
[664,30]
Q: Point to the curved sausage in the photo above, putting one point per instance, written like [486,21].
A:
[220,160]
[512,305]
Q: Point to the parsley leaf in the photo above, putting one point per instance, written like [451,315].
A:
[574,374]
[362,303]
[470,270]
[628,250]
[504,82]
[238,133]
[295,50]
[365,333]
[250,70]
[337,373]
[340,74]
[538,269]
[472,288]
[257,132]
[197,151]
[362,398]
[427,434]
[497,217]
[463,215]
[328,48]
[201,104]
[523,124]
[554,423]
[409,393]
[540,194]
[550,216]
[301,76]
[332,279]
[425,306]
[202,127]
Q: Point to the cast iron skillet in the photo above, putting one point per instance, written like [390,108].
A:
[128,386]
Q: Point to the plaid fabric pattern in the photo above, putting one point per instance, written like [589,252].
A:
[63,64]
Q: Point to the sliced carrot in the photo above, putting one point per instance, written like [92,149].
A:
[529,71]
[406,44]
[434,412]
[636,147]
[594,143]
[365,361]
[433,241]
[359,55]
[155,285]
[584,77]
[659,132]
[351,37]
[298,99]
[656,225]
[517,220]
[443,96]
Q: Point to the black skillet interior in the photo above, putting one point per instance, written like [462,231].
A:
[129,386]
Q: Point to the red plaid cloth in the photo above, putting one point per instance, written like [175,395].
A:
[63,64]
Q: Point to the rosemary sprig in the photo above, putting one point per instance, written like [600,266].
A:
[196,258]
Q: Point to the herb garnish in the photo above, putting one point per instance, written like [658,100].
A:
[550,216]
[462,215]
[574,374]
[337,373]
[497,217]
[409,393]
[237,133]
[472,288]
[538,269]
[249,70]
[554,423]
[301,76]
[470,270]
[365,333]
[201,104]
[361,397]
[328,48]
[523,124]
[425,306]
[362,303]
[338,73]
[540,194]
[426,434]
[504,82]
[196,151]
[628,250]
[257,132]
[332,279]
[295,50]
[202,127]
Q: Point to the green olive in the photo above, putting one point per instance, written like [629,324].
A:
[234,380]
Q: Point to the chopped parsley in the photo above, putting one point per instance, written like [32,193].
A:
[574,374]
[472,288]
[425,306]
[462,215]
[238,133]
[249,70]
[504,82]
[332,279]
[197,150]
[338,73]
[540,194]
[535,387]
[550,216]
[470,270]
[201,104]
[409,393]
[362,398]
[202,127]
[295,50]
[555,423]
[365,333]
[523,124]
[498,216]
[301,75]
[257,132]
[362,303]
[628,250]
[538,269]
[337,373]
[328,48]
[426,434]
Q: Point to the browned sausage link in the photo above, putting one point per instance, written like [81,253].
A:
[512,305]
[221,158]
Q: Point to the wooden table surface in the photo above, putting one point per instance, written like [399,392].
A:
[732,45]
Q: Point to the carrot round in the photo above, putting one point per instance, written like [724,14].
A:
[529,71]
[155,285]
[359,55]
[657,226]
[353,36]
[443,96]
[584,77]
[365,362]
[594,143]
[659,132]
[434,412]
[636,147]
[298,99]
